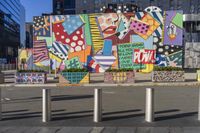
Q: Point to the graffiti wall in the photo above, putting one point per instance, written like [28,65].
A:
[102,41]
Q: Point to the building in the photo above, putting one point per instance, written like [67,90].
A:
[22,27]
[93,6]
[12,18]
[29,35]
[64,7]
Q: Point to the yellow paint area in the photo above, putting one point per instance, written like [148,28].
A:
[86,79]
[23,54]
[198,75]
[119,76]
[149,68]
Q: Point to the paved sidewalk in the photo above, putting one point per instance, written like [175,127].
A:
[100,130]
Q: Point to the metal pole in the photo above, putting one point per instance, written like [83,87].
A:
[149,111]
[16,60]
[55,68]
[97,105]
[46,105]
[199,107]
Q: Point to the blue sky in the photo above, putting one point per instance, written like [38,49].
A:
[36,8]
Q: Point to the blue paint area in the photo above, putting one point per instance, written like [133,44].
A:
[148,44]
[161,60]
[72,23]
[107,48]
[121,26]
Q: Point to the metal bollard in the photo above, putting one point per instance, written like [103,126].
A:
[149,110]
[46,105]
[199,107]
[97,105]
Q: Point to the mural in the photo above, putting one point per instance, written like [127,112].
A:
[102,41]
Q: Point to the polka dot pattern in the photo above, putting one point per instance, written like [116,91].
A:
[74,40]
[164,49]
[39,22]
[139,27]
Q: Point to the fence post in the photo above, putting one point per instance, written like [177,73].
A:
[46,105]
[149,110]
[97,105]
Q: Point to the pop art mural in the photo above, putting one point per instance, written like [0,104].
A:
[102,41]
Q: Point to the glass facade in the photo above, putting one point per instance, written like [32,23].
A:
[12,28]
[11,7]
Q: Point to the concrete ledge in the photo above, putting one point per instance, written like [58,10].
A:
[104,85]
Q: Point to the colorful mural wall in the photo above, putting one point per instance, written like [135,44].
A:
[102,41]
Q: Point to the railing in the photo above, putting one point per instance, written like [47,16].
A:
[7,66]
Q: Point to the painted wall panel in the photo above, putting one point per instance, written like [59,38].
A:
[102,41]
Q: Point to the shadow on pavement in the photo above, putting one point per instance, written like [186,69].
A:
[55,98]
[167,111]
[15,116]
[56,115]
[120,112]
[125,116]
[68,97]
[175,116]
[15,111]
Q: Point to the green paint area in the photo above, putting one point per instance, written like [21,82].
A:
[125,55]
[74,77]
[73,63]
[178,20]
[87,32]
[175,59]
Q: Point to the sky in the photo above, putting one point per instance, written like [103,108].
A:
[36,8]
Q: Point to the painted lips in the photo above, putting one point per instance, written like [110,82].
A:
[110,30]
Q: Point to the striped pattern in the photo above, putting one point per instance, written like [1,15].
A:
[94,66]
[60,48]
[105,61]
[159,17]
[139,15]
[40,52]
[97,39]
